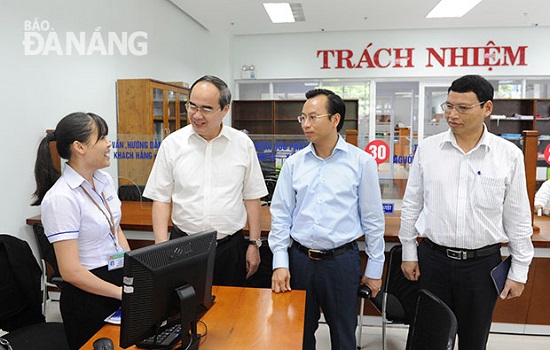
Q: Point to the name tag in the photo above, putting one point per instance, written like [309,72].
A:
[388,208]
[116,261]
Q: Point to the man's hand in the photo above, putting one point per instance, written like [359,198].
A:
[411,270]
[252,260]
[374,284]
[280,281]
[512,289]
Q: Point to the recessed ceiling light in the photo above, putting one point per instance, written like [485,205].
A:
[285,12]
[279,12]
[452,8]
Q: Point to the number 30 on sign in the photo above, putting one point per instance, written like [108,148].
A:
[379,150]
[547,154]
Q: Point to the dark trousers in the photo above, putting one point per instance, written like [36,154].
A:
[230,263]
[84,313]
[466,287]
[331,285]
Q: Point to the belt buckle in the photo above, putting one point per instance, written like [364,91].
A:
[457,254]
[314,254]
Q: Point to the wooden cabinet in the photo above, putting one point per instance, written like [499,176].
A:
[148,110]
[279,116]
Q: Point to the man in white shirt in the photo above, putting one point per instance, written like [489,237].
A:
[466,194]
[542,197]
[209,175]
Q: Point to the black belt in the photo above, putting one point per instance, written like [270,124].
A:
[318,254]
[463,254]
[177,232]
[229,237]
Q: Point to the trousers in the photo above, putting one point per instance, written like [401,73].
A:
[230,263]
[331,284]
[466,287]
[84,313]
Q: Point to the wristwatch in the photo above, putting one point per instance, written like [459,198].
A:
[256,242]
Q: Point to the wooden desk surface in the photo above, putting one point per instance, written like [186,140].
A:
[243,318]
[137,216]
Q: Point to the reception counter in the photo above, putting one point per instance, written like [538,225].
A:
[136,216]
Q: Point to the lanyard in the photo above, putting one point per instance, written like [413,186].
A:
[111,222]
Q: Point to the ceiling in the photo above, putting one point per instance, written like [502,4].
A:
[246,17]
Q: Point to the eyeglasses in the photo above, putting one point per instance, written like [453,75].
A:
[204,110]
[447,107]
[312,118]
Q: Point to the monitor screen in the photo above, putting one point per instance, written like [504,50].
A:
[154,278]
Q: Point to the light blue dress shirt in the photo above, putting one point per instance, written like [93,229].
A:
[326,203]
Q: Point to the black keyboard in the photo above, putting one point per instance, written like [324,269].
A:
[166,338]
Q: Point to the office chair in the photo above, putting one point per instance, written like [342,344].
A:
[434,326]
[270,183]
[397,299]
[21,299]
[133,193]
[47,257]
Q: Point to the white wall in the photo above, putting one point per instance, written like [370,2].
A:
[37,91]
[295,56]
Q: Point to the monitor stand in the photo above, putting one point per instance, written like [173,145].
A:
[188,312]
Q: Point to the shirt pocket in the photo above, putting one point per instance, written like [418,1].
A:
[489,192]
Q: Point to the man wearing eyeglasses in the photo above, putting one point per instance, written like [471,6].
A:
[466,195]
[209,176]
[327,196]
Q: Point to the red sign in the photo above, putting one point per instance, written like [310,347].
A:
[379,150]
[547,154]
[372,57]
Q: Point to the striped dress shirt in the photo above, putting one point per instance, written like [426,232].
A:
[468,200]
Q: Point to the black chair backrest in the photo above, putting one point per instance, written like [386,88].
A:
[434,326]
[45,248]
[20,286]
[399,288]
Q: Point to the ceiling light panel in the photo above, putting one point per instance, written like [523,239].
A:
[452,8]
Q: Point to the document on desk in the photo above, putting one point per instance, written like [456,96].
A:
[114,318]
[499,274]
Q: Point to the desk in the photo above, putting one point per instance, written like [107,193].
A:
[137,216]
[243,318]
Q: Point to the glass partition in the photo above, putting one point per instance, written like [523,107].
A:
[134,155]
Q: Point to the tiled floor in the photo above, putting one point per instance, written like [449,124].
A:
[396,336]
[397,339]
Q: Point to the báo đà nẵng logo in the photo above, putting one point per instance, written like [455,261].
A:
[40,38]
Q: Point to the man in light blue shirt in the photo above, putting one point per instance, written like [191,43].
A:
[327,196]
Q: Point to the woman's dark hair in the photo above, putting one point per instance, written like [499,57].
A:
[335,104]
[225,93]
[77,126]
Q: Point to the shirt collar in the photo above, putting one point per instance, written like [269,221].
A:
[223,133]
[450,139]
[341,145]
[74,179]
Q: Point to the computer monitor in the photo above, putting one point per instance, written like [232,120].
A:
[167,283]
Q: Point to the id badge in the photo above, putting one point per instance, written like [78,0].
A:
[116,261]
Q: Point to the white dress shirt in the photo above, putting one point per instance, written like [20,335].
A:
[468,200]
[206,182]
[68,213]
[542,197]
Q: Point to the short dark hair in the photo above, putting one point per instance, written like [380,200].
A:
[476,84]
[335,104]
[225,93]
